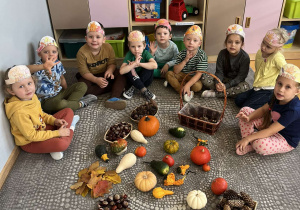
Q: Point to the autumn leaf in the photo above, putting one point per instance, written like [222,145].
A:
[94,180]
[76,185]
[112,176]
[101,188]
[81,189]
[83,171]
[94,166]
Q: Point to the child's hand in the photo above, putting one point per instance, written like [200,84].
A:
[243,117]
[220,87]
[153,47]
[101,82]
[109,74]
[63,131]
[242,144]
[49,63]
[60,122]
[188,56]
[164,70]
[186,90]
[137,61]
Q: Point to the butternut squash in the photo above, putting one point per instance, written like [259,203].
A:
[126,162]
[160,192]
[138,136]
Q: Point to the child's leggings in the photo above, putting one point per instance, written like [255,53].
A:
[144,78]
[176,79]
[264,146]
[57,144]
[209,82]
[68,98]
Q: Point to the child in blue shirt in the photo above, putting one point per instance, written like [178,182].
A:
[278,120]
[52,89]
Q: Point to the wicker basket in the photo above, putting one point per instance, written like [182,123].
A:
[105,139]
[137,121]
[200,118]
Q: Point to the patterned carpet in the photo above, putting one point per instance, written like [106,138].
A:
[38,182]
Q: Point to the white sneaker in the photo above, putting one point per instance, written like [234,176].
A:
[188,98]
[166,83]
[57,155]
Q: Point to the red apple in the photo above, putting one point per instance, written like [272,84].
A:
[168,160]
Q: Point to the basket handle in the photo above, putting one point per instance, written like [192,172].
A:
[203,72]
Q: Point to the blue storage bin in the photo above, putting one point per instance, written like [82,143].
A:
[291,28]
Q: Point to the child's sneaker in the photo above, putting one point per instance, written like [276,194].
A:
[148,95]
[166,83]
[57,155]
[208,94]
[129,93]
[115,103]
[187,98]
[86,100]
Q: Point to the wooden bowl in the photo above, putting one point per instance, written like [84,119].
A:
[124,137]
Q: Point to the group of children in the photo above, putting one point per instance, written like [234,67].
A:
[268,120]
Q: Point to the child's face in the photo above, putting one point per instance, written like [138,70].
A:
[162,35]
[234,44]
[267,49]
[95,40]
[24,89]
[192,42]
[285,89]
[136,48]
[48,52]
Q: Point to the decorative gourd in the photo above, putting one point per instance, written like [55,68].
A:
[171,146]
[196,199]
[177,132]
[138,136]
[118,146]
[148,125]
[127,162]
[101,152]
[200,155]
[160,192]
[145,181]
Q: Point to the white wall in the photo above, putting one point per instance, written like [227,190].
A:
[22,24]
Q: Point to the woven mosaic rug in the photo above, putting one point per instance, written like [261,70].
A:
[36,181]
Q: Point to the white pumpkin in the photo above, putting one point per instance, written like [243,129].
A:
[196,199]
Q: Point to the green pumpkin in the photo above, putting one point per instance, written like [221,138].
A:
[171,146]
[101,152]
[118,146]
[177,132]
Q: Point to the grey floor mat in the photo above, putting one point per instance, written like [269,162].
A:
[36,181]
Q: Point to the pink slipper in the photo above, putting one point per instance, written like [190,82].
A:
[247,149]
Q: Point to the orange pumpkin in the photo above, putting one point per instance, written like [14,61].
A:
[148,125]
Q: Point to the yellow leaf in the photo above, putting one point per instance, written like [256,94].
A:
[94,166]
[83,171]
[76,185]
[85,192]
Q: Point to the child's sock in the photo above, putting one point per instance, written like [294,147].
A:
[187,98]
[166,83]
[115,103]
[57,155]
[75,120]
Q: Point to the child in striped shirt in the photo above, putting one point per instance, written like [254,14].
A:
[190,59]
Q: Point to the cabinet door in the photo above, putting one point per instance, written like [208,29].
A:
[69,14]
[264,16]
[112,13]
[220,15]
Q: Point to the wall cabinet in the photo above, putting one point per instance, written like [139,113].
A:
[294,51]
[256,17]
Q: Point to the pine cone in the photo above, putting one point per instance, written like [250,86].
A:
[245,207]
[231,195]
[236,203]
[226,207]
[248,200]
[222,202]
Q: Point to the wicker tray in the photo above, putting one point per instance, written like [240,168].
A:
[105,139]
[200,118]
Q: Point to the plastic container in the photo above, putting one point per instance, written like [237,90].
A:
[177,37]
[71,41]
[291,28]
[145,11]
[292,9]
[118,46]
